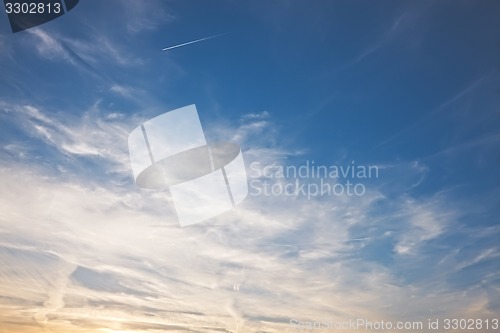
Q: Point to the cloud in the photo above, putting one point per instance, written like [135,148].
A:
[89,52]
[140,17]
[121,90]
[90,252]
[82,249]
[92,135]
[429,118]
[48,46]
[425,222]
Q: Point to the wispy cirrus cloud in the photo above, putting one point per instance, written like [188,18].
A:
[426,222]
[93,50]
[444,107]
[118,259]
[141,17]
[92,135]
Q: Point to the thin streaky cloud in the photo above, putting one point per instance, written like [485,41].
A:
[193,41]
[427,118]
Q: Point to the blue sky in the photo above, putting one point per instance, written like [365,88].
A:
[411,87]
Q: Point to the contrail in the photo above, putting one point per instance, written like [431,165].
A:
[193,41]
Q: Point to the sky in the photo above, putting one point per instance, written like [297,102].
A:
[410,88]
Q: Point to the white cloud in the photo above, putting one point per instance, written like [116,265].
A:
[426,221]
[91,135]
[145,16]
[95,49]
[48,46]
[83,252]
